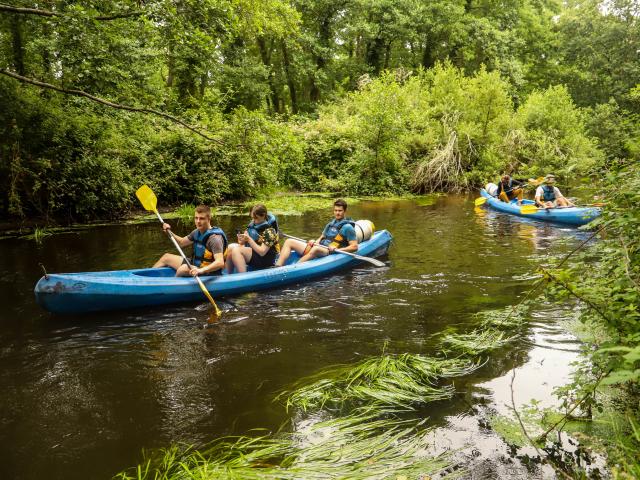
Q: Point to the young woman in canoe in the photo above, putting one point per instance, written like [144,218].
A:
[549,196]
[258,245]
[209,247]
[339,233]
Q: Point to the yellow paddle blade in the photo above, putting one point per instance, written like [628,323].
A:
[536,181]
[147,198]
[480,201]
[528,209]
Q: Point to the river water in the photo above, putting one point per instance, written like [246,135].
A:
[82,396]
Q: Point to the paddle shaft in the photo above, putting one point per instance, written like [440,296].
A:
[372,261]
[175,242]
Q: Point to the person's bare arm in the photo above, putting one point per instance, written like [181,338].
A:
[182,241]
[351,248]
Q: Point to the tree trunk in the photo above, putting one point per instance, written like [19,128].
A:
[290,82]
[324,36]
[374,54]
[18,49]
[427,53]
[204,79]
[387,55]
[265,55]
[170,66]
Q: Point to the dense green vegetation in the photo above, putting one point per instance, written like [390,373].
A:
[231,99]
[309,95]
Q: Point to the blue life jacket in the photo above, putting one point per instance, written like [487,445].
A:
[255,230]
[333,236]
[549,194]
[201,255]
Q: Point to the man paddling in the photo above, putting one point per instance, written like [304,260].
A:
[338,234]
[209,244]
[549,196]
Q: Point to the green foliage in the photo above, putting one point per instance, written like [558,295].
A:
[616,131]
[607,280]
[597,51]
[263,154]
[553,137]
[185,213]
[288,204]
[225,64]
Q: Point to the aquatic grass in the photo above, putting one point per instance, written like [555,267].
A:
[389,382]
[505,318]
[185,212]
[355,447]
[39,234]
[477,342]
[297,204]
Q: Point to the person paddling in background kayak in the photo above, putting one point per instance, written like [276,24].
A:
[510,188]
[257,245]
[209,246]
[549,196]
[339,233]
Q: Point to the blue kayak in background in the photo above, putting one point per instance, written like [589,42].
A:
[75,293]
[568,216]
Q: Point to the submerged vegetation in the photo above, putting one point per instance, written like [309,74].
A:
[389,383]
[477,342]
[351,429]
[349,447]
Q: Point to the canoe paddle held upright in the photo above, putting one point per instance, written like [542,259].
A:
[149,202]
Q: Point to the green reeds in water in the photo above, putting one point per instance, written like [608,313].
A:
[39,234]
[185,213]
[477,341]
[388,383]
[353,447]
[508,318]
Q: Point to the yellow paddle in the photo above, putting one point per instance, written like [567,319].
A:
[532,181]
[529,209]
[149,202]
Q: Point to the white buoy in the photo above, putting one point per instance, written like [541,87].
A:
[364,230]
[492,189]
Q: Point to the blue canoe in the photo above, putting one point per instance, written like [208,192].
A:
[74,293]
[569,216]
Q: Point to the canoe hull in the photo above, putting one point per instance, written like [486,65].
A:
[575,216]
[76,293]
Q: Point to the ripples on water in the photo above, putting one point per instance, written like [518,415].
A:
[83,395]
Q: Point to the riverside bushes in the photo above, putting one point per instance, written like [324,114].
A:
[424,131]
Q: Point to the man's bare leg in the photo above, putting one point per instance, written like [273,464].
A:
[315,252]
[173,261]
[289,245]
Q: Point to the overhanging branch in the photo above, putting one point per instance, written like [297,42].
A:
[80,93]
[50,13]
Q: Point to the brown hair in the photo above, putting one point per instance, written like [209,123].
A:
[340,203]
[259,210]
[204,209]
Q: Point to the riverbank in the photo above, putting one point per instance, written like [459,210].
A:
[279,203]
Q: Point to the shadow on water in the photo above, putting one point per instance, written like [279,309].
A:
[82,396]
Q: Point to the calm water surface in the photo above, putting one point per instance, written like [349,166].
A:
[82,396]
